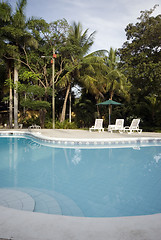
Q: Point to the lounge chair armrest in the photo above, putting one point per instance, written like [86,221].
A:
[126,127]
[111,126]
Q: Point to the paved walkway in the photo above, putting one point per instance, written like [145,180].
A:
[85,134]
[21,225]
[24,225]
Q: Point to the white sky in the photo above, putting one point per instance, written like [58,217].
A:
[108,18]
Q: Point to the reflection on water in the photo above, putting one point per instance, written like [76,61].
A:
[77,156]
[10,153]
[157,157]
[13,158]
[102,182]
[33,145]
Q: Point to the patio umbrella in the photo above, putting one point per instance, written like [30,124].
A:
[109,102]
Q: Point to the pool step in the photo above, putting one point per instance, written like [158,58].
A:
[39,200]
[44,203]
[13,198]
[52,202]
[68,206]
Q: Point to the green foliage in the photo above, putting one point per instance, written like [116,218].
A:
[35,105]
[65,125]
[30,121]
[5,12]
[4,99]
[36,91]
[48,124]
[141,60]
[134,75]
[29,76]
[141,54]
[116,81]
[9,83]
[75,61]
[85,110]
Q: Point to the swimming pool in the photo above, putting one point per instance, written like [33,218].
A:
[79,181]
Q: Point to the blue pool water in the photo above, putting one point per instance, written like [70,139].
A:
[105,182]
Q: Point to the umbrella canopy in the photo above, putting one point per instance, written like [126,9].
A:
[109,102]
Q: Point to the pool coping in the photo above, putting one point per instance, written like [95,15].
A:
[23,225]
[86,142]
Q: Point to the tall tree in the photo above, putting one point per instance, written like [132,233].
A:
[5,17]
[116,81]
[16,37]
[141,58]
[38,61]
[79,67]
[18,24]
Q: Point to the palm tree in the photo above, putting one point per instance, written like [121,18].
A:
[18,24]
[115,80]
[5,15]
[79,67]
[15,38]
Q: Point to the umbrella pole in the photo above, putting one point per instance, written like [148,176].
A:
[109,115]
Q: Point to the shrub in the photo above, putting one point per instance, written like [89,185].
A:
[65,125]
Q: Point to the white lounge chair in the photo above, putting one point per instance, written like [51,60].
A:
[134,127]
[119,125]
[20,125]
[98,125]
[34,126]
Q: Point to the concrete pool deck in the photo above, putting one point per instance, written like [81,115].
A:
[24,225]
[85,134]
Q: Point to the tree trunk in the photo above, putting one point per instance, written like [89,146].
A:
[42,113]
[110,106]
[10,101]
[70,106]
[110,111]
[24,108]
[111,94]
[15,98]
[98,112]
[62,118]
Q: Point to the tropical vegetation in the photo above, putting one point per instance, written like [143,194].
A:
[80,78]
